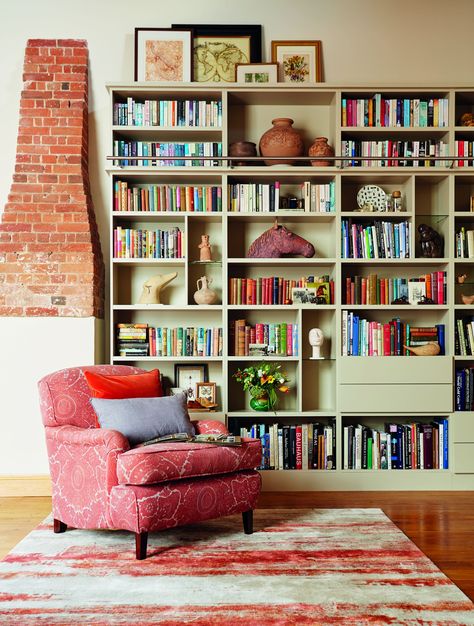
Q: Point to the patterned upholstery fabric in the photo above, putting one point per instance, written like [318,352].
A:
[148,508]
[84,467]
[65,395]
[161,462]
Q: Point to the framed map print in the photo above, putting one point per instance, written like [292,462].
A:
[218,49]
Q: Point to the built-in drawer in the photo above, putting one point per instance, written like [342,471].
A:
[395,370]
[462,427]
[416,398]
[464,458]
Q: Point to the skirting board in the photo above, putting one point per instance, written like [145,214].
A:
[21,486]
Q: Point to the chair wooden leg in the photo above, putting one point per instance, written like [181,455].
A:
[247,518]
[59,527]
[141,540]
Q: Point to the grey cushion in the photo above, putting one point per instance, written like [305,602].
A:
[140,419]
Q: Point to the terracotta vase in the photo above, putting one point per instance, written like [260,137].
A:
[281,141]
[204,295]
[243,149]
[321,148]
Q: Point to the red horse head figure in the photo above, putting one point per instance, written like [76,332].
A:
[278,242]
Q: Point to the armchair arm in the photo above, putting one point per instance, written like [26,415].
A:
[83,466]
[210,427]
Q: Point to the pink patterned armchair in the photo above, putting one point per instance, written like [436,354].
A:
[100,482]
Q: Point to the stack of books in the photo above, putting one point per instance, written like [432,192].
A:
[199,198]
[263,339]
[131,243]
[132,340]
[377,240]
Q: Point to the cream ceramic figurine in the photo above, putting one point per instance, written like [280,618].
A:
[152,288]
[316,340]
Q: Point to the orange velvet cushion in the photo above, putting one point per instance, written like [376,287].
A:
[146,385]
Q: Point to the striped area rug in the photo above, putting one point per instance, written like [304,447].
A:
[300,567]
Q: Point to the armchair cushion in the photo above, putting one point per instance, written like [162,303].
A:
[140,419]
[144,385]
[162,462]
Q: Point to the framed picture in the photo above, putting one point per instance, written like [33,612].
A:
[299,61]
[186,376]
[256,73]
[206,391]
[317,294]
[163,55]
[218,48]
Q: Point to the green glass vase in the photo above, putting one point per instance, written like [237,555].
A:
[260,404]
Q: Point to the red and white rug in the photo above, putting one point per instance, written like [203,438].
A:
[300,567]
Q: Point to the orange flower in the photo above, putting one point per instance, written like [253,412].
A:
[284,389]
[263,380]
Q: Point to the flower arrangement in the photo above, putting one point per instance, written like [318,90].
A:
[263,381]
[296,68]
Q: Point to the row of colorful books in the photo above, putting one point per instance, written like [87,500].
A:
[275,289]
[130,243]
[412,445]
[296,446]
[374,290]
[263,338]
[464,398]
[161,341]
[392,112]
[377,240]
[198,198]
[464,336]
[465,243]
[464,148]
[361,337]
[168,113]
[267,197]
[391,153]
[159,150]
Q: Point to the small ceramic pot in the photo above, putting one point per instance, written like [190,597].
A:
[321,148]
[243,149]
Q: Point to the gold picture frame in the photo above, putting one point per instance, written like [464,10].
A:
[299,61]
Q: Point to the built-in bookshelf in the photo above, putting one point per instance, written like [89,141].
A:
[374,408]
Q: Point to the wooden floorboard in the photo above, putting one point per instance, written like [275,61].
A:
[441,524]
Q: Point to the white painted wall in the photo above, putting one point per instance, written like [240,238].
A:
[363,40]
[31,348]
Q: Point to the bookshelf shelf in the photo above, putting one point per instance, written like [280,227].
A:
[337,391]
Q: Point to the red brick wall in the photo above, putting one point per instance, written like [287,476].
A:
[50,258]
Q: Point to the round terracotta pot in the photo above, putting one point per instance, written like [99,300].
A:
[321,148]
[243,149]
[281,141]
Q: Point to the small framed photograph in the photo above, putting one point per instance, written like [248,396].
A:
[256,73]
[416,291]
[218,48]
[187,375]
[206,391]
[299,61]
[163,55]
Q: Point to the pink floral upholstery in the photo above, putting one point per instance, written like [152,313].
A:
[161,462]
[146,508]
[92,468]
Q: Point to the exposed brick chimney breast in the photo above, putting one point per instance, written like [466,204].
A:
[50,258]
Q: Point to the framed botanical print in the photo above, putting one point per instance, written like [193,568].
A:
[163,55]
[218,48]
[299,61]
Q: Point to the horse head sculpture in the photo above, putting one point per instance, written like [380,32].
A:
[153,286]
[278,242]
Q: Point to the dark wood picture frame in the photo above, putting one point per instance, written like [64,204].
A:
[251,31]
[204,370]
[189,50]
